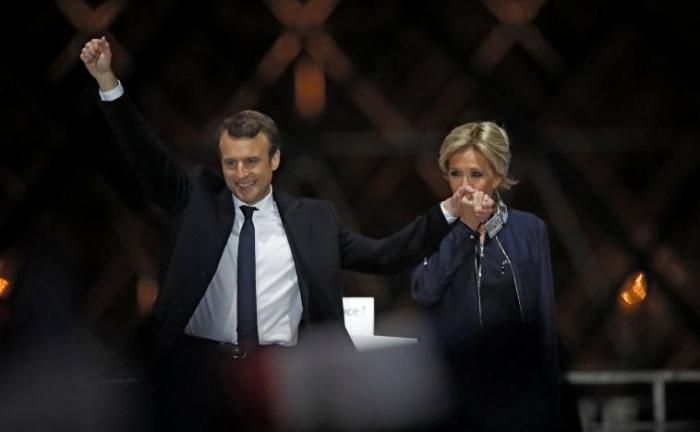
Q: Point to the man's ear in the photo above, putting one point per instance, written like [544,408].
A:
[275,160]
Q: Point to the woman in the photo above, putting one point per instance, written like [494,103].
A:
[487,292]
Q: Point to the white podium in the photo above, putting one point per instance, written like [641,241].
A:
[359,322]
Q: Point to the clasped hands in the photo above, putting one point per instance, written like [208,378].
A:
[472,206]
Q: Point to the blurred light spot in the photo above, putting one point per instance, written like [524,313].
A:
[309,88]
[634,290]
[4,288]
[146,293]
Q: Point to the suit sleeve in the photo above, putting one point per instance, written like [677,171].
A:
[163,180]
[397,251]
[431,279]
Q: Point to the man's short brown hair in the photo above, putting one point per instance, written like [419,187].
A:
[248,124]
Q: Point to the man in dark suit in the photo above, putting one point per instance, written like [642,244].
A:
[250,266]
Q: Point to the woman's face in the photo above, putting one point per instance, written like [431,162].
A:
[469,167]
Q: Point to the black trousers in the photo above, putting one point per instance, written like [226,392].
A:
[200,386]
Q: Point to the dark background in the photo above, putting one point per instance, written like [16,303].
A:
[601,100]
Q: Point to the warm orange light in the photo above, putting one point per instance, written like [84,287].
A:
[146,293]
[634,290]
[4,287]
[309,87]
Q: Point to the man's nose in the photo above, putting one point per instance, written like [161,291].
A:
[241,172]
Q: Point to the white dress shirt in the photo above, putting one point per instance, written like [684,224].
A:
[448,216]
[114,94]
[277,286]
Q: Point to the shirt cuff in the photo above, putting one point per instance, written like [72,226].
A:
[114,94]
[448,216]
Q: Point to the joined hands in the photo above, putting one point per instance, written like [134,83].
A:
[472,206]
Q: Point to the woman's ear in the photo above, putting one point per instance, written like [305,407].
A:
[497,182]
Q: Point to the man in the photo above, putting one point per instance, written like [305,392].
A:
[250,266]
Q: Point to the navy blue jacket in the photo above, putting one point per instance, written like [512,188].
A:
[445,286]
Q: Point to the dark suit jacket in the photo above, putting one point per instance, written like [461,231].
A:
[202,210]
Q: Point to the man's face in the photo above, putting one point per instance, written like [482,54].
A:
[247,166]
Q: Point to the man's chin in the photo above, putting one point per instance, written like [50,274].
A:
[248,196]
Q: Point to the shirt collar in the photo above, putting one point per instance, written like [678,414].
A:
[265,205]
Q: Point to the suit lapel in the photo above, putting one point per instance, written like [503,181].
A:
[297,225]
[297,222]
[226,212]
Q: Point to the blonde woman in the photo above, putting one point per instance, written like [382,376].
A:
[487,292]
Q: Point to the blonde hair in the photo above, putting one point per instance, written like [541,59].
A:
[487,138]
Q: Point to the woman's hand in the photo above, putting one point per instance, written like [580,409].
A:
[484,208]
[475,208]
[451,204]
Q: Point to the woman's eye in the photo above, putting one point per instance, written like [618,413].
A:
[476,174]
[455,174]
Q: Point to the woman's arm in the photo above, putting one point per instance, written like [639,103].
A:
[431,279]
[547,320]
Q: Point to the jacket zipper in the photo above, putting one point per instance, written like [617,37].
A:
[478,261]
[515,281]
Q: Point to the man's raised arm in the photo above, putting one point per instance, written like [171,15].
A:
[161,176]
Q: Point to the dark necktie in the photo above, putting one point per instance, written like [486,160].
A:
[247,305]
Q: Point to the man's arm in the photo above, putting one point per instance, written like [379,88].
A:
[432,278]
[413,242]
[417,239]
[397,251]
[165,182]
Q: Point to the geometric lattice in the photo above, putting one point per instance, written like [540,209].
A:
[601,101]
